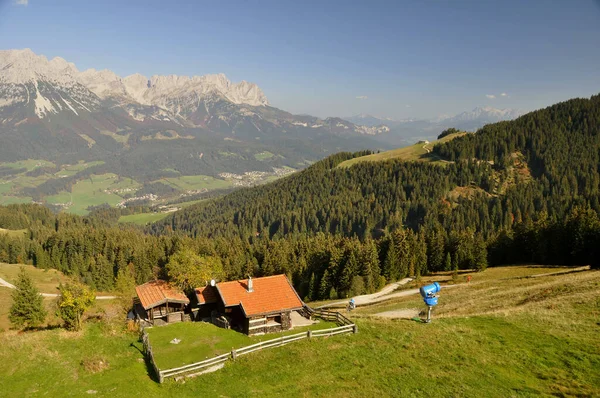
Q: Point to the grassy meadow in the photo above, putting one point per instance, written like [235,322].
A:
[495,337]
[417,153]
[263,155]
[195,183]
[142,218]
[148,218]
[10,186]
[200,341]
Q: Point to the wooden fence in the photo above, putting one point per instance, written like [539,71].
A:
[148,352]
[344,326]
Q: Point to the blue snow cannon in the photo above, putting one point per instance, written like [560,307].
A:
[429,297]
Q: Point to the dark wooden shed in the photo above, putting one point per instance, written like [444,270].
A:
[159,302]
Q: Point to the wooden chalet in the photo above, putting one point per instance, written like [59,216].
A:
[158,302]
[252,306]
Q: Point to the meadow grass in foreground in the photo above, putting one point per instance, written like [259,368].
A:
[200,341]
[538,339]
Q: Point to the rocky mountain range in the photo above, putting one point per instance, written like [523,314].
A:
[146,127]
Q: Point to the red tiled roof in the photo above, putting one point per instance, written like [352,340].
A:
[158,292]
[270,294]
[207,295]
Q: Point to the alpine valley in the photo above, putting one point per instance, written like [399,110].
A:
[78,139]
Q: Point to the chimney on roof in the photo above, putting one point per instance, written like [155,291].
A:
[250,290]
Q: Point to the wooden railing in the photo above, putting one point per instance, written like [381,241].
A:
[148,352]
[331,316]
[345,326]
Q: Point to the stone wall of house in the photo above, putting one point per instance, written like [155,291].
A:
[261,327]
[173,317]
[256,325]
[286,320]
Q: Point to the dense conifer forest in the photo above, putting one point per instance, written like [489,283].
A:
[524,191]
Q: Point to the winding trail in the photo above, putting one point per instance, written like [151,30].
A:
[381,295]
[4,283]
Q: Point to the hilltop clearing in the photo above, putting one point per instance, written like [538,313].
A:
[420,152]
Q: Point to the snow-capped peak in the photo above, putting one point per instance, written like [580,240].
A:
[159,90]
[488,113]
[24,66]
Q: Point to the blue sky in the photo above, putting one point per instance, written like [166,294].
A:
[400,59]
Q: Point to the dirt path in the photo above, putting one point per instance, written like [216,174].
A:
[373,298]
[4,283]
[408,313]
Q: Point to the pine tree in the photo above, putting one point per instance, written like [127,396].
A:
[27,309]
[324,287]
[311,288]
[448,263]
[480,254]
[391,263]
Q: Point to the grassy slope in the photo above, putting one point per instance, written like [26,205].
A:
[142,218]
[91,192]
[537,341]
[45,280]
[200,341]
[198,182]
[148,218]
[15,233]
[9,186]
[416,152]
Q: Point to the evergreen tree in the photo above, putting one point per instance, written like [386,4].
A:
[324,286]
[27,309]
[448,262]
[480,254]
[125,287]
[311,288]
[391,263]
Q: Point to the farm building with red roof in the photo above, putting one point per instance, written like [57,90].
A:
[252,306]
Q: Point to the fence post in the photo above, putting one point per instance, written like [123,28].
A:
[281,340]
[309,334]
[233,354]
[354,328]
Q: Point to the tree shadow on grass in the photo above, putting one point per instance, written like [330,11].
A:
[41,328]
[149,367]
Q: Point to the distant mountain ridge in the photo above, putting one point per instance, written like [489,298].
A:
[410,130]
[51,110]
[478,117]
[51,87]
[23,66]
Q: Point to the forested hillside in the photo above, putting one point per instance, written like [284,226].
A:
[520,191]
